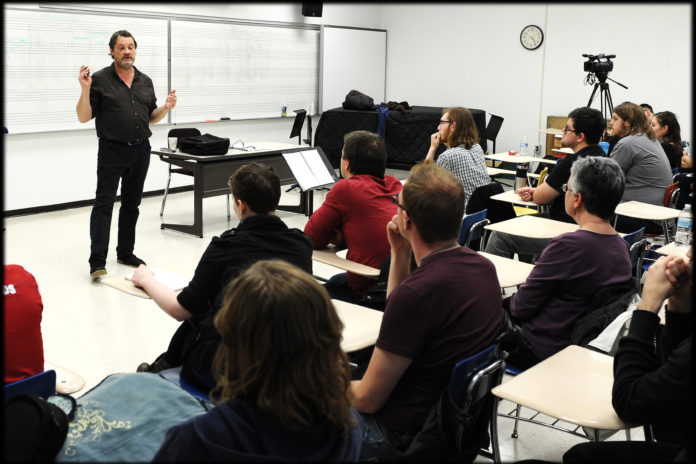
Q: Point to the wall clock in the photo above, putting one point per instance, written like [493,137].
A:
[531,37]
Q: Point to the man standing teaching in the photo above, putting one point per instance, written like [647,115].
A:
[122,99]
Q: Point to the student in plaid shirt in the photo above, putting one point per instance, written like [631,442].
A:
[464,156]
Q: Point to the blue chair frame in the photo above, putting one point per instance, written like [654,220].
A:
[471,383]
[174,376]
[42,384]
[473,227]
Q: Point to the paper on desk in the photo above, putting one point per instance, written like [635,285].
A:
[308,168]
[172,281]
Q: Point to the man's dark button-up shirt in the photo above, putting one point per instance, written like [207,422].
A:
[122,114]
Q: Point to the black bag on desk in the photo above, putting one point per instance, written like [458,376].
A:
[206,144]
[358,101]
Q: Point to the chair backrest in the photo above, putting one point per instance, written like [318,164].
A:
[180,132]
[636,251]
[493,127]
[174,376]
[634,237]
[42,384]
[671,188]
[542,176]
[614,300]
[474,377]
[472,224]
[481,199]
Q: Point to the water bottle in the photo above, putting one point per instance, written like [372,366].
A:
[685,227]
[523,146]
[284,111]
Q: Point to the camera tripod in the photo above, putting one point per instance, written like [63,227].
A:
[605,102]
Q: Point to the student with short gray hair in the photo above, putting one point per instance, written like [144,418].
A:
[574,266]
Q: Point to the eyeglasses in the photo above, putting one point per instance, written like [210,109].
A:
[444,122]
[395,200]
[566,129]
[566,187]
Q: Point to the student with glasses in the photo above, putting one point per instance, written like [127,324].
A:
[446,309]
[464,156]
[574,266]
[581,134]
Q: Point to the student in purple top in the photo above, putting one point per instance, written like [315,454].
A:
[282,378]
[575,265]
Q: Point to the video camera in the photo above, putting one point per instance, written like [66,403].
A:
[595,64]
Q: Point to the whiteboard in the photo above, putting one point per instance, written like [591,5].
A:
[43,54]
[352,59]
[238,71]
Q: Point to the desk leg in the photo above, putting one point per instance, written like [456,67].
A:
[197,227]
[665,229]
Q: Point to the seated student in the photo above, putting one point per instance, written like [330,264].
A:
[260,235]
[464,156]
[647,109]
[582,132]
[445,310]
[282,379]
[653,387]
[642,160]
[574,265]
[24,354]
[355,212]
[666,128]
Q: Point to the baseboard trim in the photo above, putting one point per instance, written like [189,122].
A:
[83,203]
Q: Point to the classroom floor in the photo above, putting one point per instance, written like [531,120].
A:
[95,330]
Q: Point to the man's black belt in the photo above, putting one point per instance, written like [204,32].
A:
[129,144]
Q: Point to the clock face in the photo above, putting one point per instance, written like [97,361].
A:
[531,37]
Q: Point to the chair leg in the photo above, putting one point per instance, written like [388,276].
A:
[228,207]
[495,447]
[517,414]
[166,191]
[628,434]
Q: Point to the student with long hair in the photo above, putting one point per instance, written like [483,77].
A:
[666,128]
[464,156]
[283,381]
[643,162]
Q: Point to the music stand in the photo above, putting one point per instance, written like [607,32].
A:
[297,125]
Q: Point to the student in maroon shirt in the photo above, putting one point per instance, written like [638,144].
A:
[445,310]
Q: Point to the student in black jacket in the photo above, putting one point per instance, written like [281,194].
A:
[652,385]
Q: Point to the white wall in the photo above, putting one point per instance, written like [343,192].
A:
[470,55]
[437,55]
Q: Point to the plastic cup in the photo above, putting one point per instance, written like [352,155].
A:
[172,142]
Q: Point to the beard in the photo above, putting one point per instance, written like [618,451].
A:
[126,64]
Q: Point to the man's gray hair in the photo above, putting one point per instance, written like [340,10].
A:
[601,183]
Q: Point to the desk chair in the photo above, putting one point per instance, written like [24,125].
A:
[174,376]
[473,229]
[179,133]
[42,384]
[492,129]
[637,245]
[672,195]
[585,329]
[464,415]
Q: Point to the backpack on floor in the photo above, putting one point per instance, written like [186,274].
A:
[35,429]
